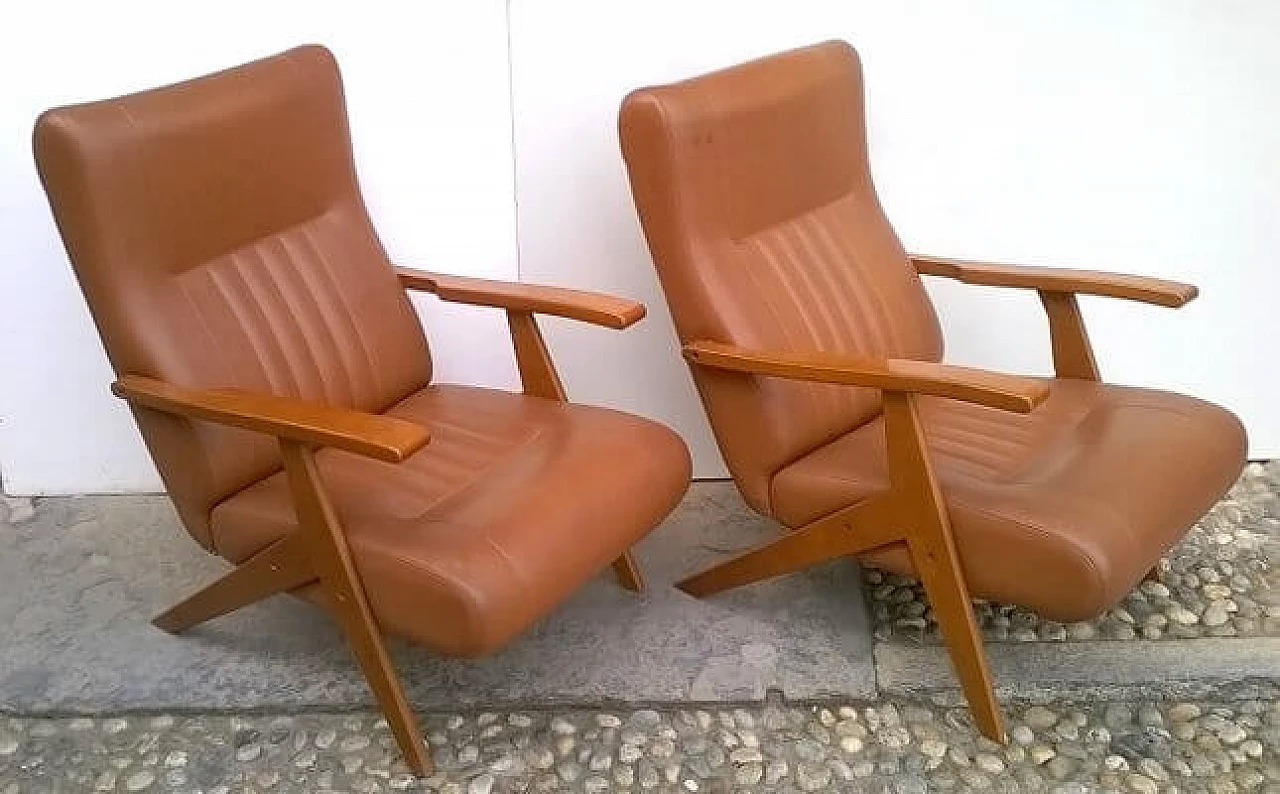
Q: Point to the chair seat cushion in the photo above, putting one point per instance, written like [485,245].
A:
[513,504]
[1062,510]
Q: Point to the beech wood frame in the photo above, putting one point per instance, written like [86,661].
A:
[317,560]
[913,510]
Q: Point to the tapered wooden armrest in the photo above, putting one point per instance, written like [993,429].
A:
[589,307]
[993,389]
[1051,279]
[374,435]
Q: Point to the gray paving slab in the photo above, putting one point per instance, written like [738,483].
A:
[81,577]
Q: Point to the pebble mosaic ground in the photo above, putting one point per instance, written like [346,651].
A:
[1219,584]
[886,747]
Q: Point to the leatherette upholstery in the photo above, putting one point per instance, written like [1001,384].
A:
[218,232]
[757,202]
[754,191]
[219,236]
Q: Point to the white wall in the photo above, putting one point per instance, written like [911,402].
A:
[428,93]
[1141,136]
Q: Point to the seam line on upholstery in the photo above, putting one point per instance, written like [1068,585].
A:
[310,357]
[314,300]
[274,336]
[242,322]
[885,338]
[340,298]
[198,311]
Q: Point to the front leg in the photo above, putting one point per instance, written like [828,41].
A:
[933,553]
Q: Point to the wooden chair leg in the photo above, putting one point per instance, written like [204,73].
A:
[912,511]
[628,572]
[933,551]
[349,605]
[281,566]
[847,532]
[944,582]
[793,551]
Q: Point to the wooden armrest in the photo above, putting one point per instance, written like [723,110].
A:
[589,307]
[1051,279]
[1007,392]
[376,436]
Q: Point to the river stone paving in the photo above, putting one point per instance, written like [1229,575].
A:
[1222,580]
[83,573]
[897,747]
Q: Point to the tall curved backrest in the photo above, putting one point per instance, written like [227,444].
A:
[217,230]
[755,194]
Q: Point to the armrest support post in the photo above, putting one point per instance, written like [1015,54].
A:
[1072,351]
[538,372]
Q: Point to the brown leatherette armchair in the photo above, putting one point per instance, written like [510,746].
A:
[283,384]
[815,351]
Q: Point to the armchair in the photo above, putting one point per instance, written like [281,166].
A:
[816,351]
[283,383]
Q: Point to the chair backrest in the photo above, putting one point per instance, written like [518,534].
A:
[755,194]
[219,236]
